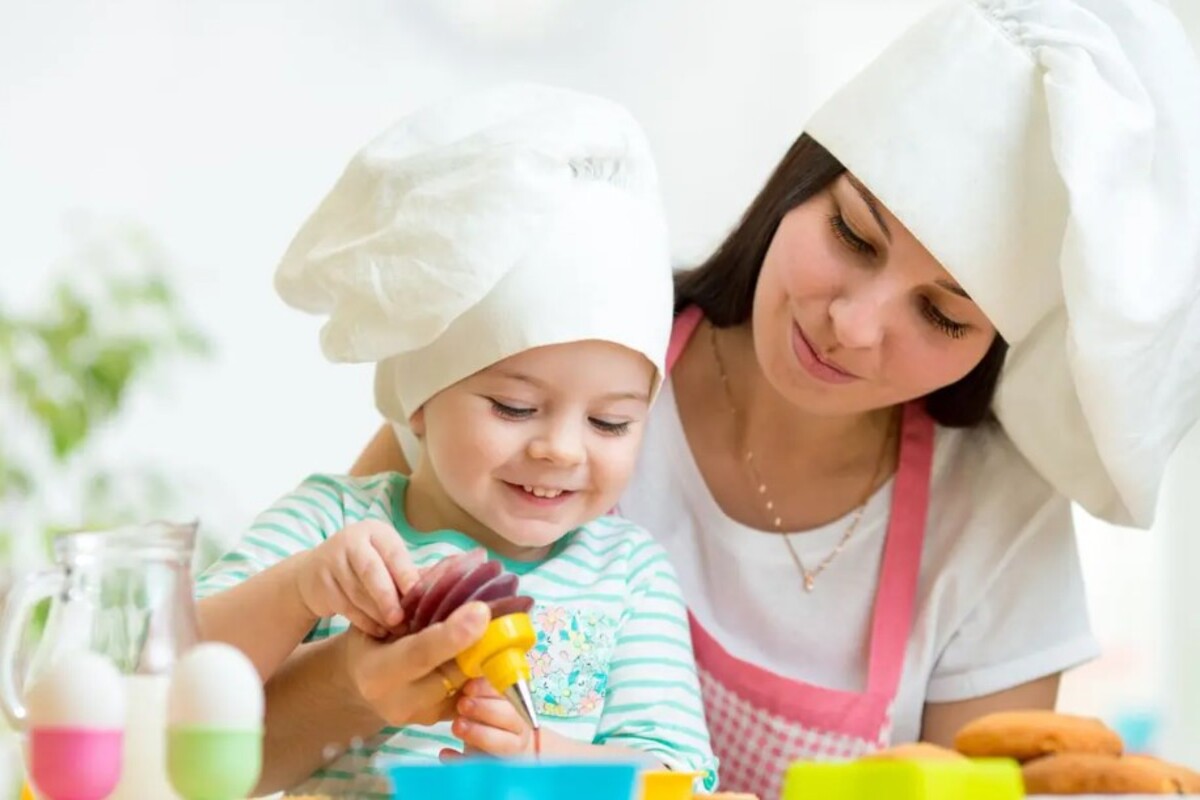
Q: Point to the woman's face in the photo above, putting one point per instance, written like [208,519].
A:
[852,314]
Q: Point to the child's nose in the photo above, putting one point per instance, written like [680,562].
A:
[560,444]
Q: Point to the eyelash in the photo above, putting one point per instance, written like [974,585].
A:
[837,223]
[955,330]
[510,413]
[609,428]
[848,237]
[517,414]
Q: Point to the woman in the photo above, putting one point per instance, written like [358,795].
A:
[869,553]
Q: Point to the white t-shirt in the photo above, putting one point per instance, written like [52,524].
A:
[1000,602]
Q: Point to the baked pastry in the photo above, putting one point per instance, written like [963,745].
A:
[1094,773]
[917,751]
[1026,735]
[1187,780]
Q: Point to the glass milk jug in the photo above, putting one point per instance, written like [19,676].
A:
[126,594]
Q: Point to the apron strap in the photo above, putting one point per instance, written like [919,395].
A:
[685,325]
[896,596]
[681,332]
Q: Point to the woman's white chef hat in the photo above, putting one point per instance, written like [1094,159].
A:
[1047,152]
[481,227]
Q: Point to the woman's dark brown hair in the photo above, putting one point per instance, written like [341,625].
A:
[723,286]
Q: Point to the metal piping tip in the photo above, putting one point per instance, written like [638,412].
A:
[521,697]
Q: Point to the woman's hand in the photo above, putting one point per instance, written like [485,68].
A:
[358,573]
[412,680]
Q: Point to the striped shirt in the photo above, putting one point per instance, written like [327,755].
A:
[613,662]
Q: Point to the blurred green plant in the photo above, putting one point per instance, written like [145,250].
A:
[111,316]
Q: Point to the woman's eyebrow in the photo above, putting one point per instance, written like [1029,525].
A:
[951,286]
[872,204]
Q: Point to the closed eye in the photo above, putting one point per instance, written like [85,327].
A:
[846,235]
[955,330]
[506,411]
[609,428]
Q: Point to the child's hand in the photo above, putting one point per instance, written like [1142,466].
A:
[488,723]
[359,572]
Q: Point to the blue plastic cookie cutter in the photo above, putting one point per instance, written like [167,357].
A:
[495,779]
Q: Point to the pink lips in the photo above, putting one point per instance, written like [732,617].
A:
[813,363]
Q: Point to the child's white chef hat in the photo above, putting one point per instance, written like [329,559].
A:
[1047,152]
[481,227]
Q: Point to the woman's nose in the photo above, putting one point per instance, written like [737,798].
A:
[858,315]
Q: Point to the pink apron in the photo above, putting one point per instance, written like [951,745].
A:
[760,721]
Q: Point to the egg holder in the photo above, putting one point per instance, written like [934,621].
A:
[213,746]
[76,728]
[215,724]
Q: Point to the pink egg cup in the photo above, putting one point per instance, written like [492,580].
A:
[75,763]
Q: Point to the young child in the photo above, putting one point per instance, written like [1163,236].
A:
[504,260]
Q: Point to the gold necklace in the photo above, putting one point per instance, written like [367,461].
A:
[776,522]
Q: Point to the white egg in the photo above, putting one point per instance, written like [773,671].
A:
[214,686]
[81,689]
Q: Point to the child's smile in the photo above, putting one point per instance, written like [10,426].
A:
[544,494]
[519,454]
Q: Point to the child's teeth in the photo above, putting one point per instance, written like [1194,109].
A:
[538,491]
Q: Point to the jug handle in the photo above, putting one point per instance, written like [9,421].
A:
[23,596]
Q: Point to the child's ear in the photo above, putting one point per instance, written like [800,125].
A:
[416,423]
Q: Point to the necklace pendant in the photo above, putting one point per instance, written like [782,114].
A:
[808,582]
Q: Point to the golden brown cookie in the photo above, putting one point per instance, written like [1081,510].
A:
[1094,773]
[1187,780]
[918,751]
[1025,735]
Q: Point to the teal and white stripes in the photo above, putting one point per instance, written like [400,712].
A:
[613,663]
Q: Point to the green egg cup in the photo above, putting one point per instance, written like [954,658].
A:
[977,779]
[207,764]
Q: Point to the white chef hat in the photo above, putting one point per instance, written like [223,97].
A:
[481,227]
[1047,152]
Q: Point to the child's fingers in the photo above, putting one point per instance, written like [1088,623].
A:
[364,623]
[493,741]
[494,712]
[377,583]
[358,605]
[396,558]
[447,755]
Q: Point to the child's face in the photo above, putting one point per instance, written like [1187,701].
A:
[532,447]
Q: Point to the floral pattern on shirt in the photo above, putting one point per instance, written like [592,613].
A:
[570,660]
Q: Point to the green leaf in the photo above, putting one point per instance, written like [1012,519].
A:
[81,373]
[14,481]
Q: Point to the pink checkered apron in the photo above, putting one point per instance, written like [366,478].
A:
[760,721]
